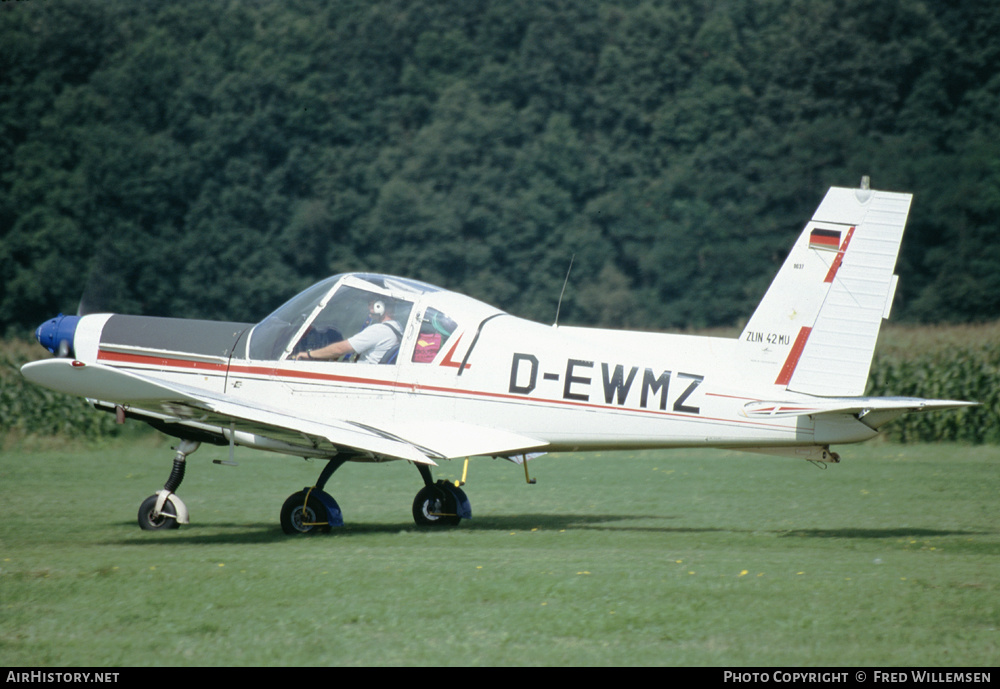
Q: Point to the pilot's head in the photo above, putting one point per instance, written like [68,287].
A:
[379,310]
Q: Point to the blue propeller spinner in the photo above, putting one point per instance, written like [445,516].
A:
[56,335]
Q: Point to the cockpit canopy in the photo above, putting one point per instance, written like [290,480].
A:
[341,306]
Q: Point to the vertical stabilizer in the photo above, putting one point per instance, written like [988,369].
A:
[816,328]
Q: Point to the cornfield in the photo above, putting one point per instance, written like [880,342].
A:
[956,362]
[941,362]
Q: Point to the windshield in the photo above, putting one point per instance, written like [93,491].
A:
[270,337]
[335,309]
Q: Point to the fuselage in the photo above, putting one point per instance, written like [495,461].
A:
[463,360]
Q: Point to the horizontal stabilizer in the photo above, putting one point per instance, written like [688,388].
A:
[872,411]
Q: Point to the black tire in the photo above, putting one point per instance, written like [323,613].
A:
[301,516]
[435,506]
[166,520]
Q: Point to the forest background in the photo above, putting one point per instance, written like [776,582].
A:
[209,160]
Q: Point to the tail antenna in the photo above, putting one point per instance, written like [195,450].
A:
[565,282]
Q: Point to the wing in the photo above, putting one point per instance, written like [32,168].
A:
[178,403]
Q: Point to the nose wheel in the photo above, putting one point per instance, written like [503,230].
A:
[153,518]
[164,510]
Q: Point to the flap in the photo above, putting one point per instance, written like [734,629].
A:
[452,439]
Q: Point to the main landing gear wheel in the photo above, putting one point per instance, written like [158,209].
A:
[150,521]
[436,505]
[311,510]
[302,514]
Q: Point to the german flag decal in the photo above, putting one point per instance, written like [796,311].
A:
[824,240]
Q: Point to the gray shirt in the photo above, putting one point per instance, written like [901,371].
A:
[375,341]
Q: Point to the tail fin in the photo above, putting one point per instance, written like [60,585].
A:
[816,328]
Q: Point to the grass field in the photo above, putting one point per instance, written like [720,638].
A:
[649,558]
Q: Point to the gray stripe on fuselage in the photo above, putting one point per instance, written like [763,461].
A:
[212,338]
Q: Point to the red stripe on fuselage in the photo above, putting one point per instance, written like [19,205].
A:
[188,365]
[160,360]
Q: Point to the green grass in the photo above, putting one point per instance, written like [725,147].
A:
[674,558]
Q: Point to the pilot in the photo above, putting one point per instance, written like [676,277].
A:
[372,344]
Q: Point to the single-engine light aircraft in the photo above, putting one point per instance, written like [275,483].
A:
[371,368]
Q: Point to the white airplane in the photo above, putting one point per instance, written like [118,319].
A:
[465,379]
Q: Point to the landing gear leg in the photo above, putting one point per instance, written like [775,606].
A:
[439,504]
[311,510]
[164,510]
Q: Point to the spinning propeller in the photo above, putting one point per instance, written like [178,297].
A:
[57,334]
